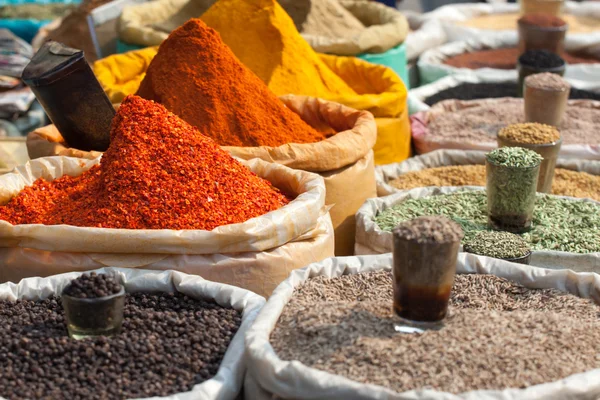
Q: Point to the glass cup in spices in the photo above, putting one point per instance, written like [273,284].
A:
[512,177]
[543,139]
[93,306]
[425,252]
[545,96]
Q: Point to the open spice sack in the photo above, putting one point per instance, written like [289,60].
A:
[474,124]
[495,57]
[565,230]
[466,21]
[163,196]
[288,65]
[297,347]
[575,178]
[422,35]
[471,87]
[148,331]
[347,27]
[300,132]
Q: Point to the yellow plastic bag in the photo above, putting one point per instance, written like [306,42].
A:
[382,92]
[121,74]
[379,89]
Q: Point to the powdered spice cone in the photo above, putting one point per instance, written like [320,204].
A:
[197,77]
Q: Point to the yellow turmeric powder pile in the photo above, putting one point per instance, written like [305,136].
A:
[263,36]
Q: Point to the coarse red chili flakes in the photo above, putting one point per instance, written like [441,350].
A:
[158,173]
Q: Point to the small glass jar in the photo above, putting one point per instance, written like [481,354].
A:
[524,259]
[511,194]
[549,153]
[423,276]
[101,316]
[525,71]
[545,105]
[533,37]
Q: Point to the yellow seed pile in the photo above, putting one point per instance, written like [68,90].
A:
[530,132]
[566,182]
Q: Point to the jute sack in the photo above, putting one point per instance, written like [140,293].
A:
[442,158]
[425,141]
[255,255]
[465,21]
[370,239]
[432,67]
[270,377]
[227,383]
[417,97]
[386,28]
[344,160]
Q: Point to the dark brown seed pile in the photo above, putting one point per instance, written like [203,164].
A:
[498,335]
[168,344]
[92,286]
[433,229]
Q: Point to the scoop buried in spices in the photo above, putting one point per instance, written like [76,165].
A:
[425,251]
[93,305]
[66,87]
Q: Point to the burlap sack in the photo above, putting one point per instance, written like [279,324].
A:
[255,255]
[370,239]
[270,377]
[344,160]
[432,65]
[386,28]
[442,158]
[425,142]
[227,383]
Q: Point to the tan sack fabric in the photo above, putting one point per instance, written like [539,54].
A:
[227,382]
[47,141]
[255,255]
[270,377]
[386,28]
[370,239]
[345,160]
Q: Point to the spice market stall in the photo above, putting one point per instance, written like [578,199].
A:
[163,196]
[329,331]
[180,336]
[301,133]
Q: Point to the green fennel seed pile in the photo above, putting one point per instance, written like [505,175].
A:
[558,224]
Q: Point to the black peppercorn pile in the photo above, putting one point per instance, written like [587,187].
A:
[541,59]
[475,91]
[169,343]
[92,286]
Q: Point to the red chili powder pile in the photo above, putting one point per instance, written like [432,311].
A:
[158,173]
[505,58]
[196,76]
[542,20]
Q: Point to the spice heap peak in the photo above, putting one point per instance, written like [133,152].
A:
[197,77]
[158,173]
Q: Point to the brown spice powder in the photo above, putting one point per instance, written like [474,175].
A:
[530,133]
[566,182]
[498,335]
[481,123]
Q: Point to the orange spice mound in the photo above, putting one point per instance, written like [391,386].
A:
[196,76]
[158,173]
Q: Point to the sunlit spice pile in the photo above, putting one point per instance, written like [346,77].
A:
[158,173]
